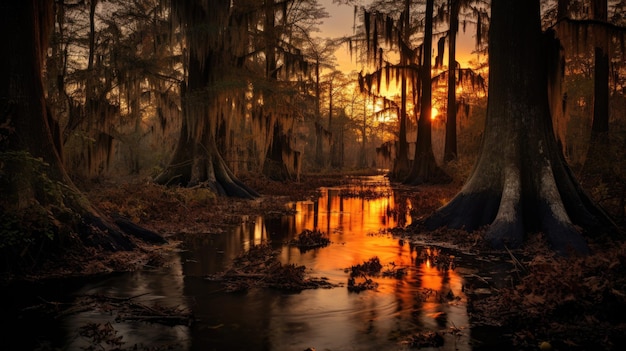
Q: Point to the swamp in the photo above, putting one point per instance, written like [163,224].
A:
[306,175]
[338,269]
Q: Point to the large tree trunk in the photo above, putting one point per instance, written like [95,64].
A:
[424,168]
[521,182]
[32,177]
[197,160]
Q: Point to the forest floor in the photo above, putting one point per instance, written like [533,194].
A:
[543,302]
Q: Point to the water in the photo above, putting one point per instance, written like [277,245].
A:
[429,298]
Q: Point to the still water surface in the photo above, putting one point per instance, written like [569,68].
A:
[427,299]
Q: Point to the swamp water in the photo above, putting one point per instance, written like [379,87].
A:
[425,308]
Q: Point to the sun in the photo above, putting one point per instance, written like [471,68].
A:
[434,112]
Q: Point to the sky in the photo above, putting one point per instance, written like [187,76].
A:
[341,22]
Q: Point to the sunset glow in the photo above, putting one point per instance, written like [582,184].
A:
[434,112]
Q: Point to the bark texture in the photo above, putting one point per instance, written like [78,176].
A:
[521,182]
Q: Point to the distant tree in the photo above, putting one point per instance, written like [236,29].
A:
[597,163]
[521,182]
[414,74]
[41,210]
[593,36]
[414,77]
[356,107]
[450,147]
[320,53]
[387,27]
[451,13]
[401,164]
[125,94]
[424,168]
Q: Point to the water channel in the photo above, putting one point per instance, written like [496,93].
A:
[427,299]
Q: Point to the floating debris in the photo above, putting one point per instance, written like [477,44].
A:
[358,284]
[369,267]
[310,239]
[358,280]
[259,267]
[395,272]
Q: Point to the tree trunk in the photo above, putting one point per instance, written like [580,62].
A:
[197,160]
[401,162]
[521,182]
[319,146]
[401,165]
[275,166]
[362,150]
[37,180]
[597,166]
[424,168]
[450,148]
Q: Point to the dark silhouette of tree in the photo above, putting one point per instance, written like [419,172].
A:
[521,182]
[320,54]
[424,168]
[275,165]
[401,164]
[393,31]
[387,26]
[452,12]
[41,209]
[413,74]
[450,147]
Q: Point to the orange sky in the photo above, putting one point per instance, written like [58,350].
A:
[341,23]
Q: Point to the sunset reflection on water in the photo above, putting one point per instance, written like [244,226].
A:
[357,217]
[422,297]
[428,298]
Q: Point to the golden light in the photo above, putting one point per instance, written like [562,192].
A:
[434,113]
